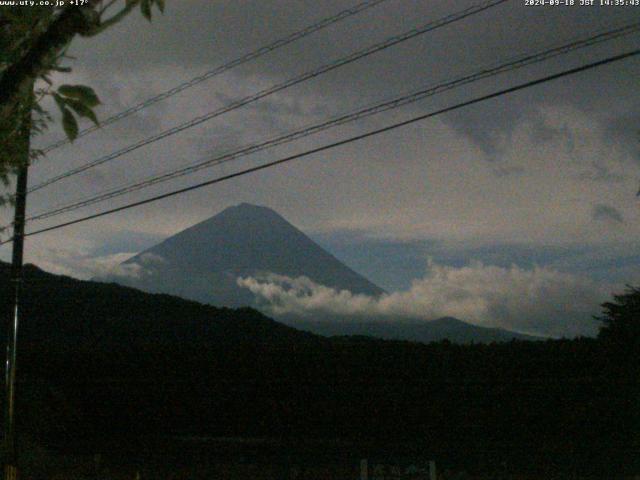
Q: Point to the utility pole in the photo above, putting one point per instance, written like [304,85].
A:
[10,447]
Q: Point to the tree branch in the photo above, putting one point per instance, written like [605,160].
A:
[17,77]
[113,20]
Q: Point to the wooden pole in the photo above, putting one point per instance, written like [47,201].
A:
[10,444]
[364,469]
[433,475]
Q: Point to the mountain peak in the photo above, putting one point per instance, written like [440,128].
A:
[248,207]
[251,206]
[204,261]
[246,211]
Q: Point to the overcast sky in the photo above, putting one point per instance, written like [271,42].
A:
[543,180]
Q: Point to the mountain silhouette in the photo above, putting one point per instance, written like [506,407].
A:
[204,261]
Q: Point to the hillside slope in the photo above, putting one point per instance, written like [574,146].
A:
[59,310]
[102,366]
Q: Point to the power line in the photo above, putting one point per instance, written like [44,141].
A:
[281,42]
[371,133]
[486,72]
[389,42]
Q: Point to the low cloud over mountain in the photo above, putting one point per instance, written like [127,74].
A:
[250,255]
[204,261]
[539,301]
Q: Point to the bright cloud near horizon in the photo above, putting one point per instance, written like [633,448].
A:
[540,301]
[530,190]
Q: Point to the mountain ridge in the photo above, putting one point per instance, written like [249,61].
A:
[62,310]
[423,331]
[203,263]
[52,298]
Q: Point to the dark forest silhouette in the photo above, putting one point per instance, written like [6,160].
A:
[103,366]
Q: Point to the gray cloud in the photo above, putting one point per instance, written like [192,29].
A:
[601,173]
[606,213]
[542,132]
[625,131]
[213,33]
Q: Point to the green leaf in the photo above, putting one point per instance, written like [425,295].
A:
[160,4]
[145,8]
[82,93]
[60,101]
[69,124]
[82,110]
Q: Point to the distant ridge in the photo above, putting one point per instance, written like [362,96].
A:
[437,330]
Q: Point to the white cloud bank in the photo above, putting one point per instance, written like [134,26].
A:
[81,264]
[539,301]
[77,260]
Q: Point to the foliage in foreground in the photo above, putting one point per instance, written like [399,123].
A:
[104,366]
[33,46]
